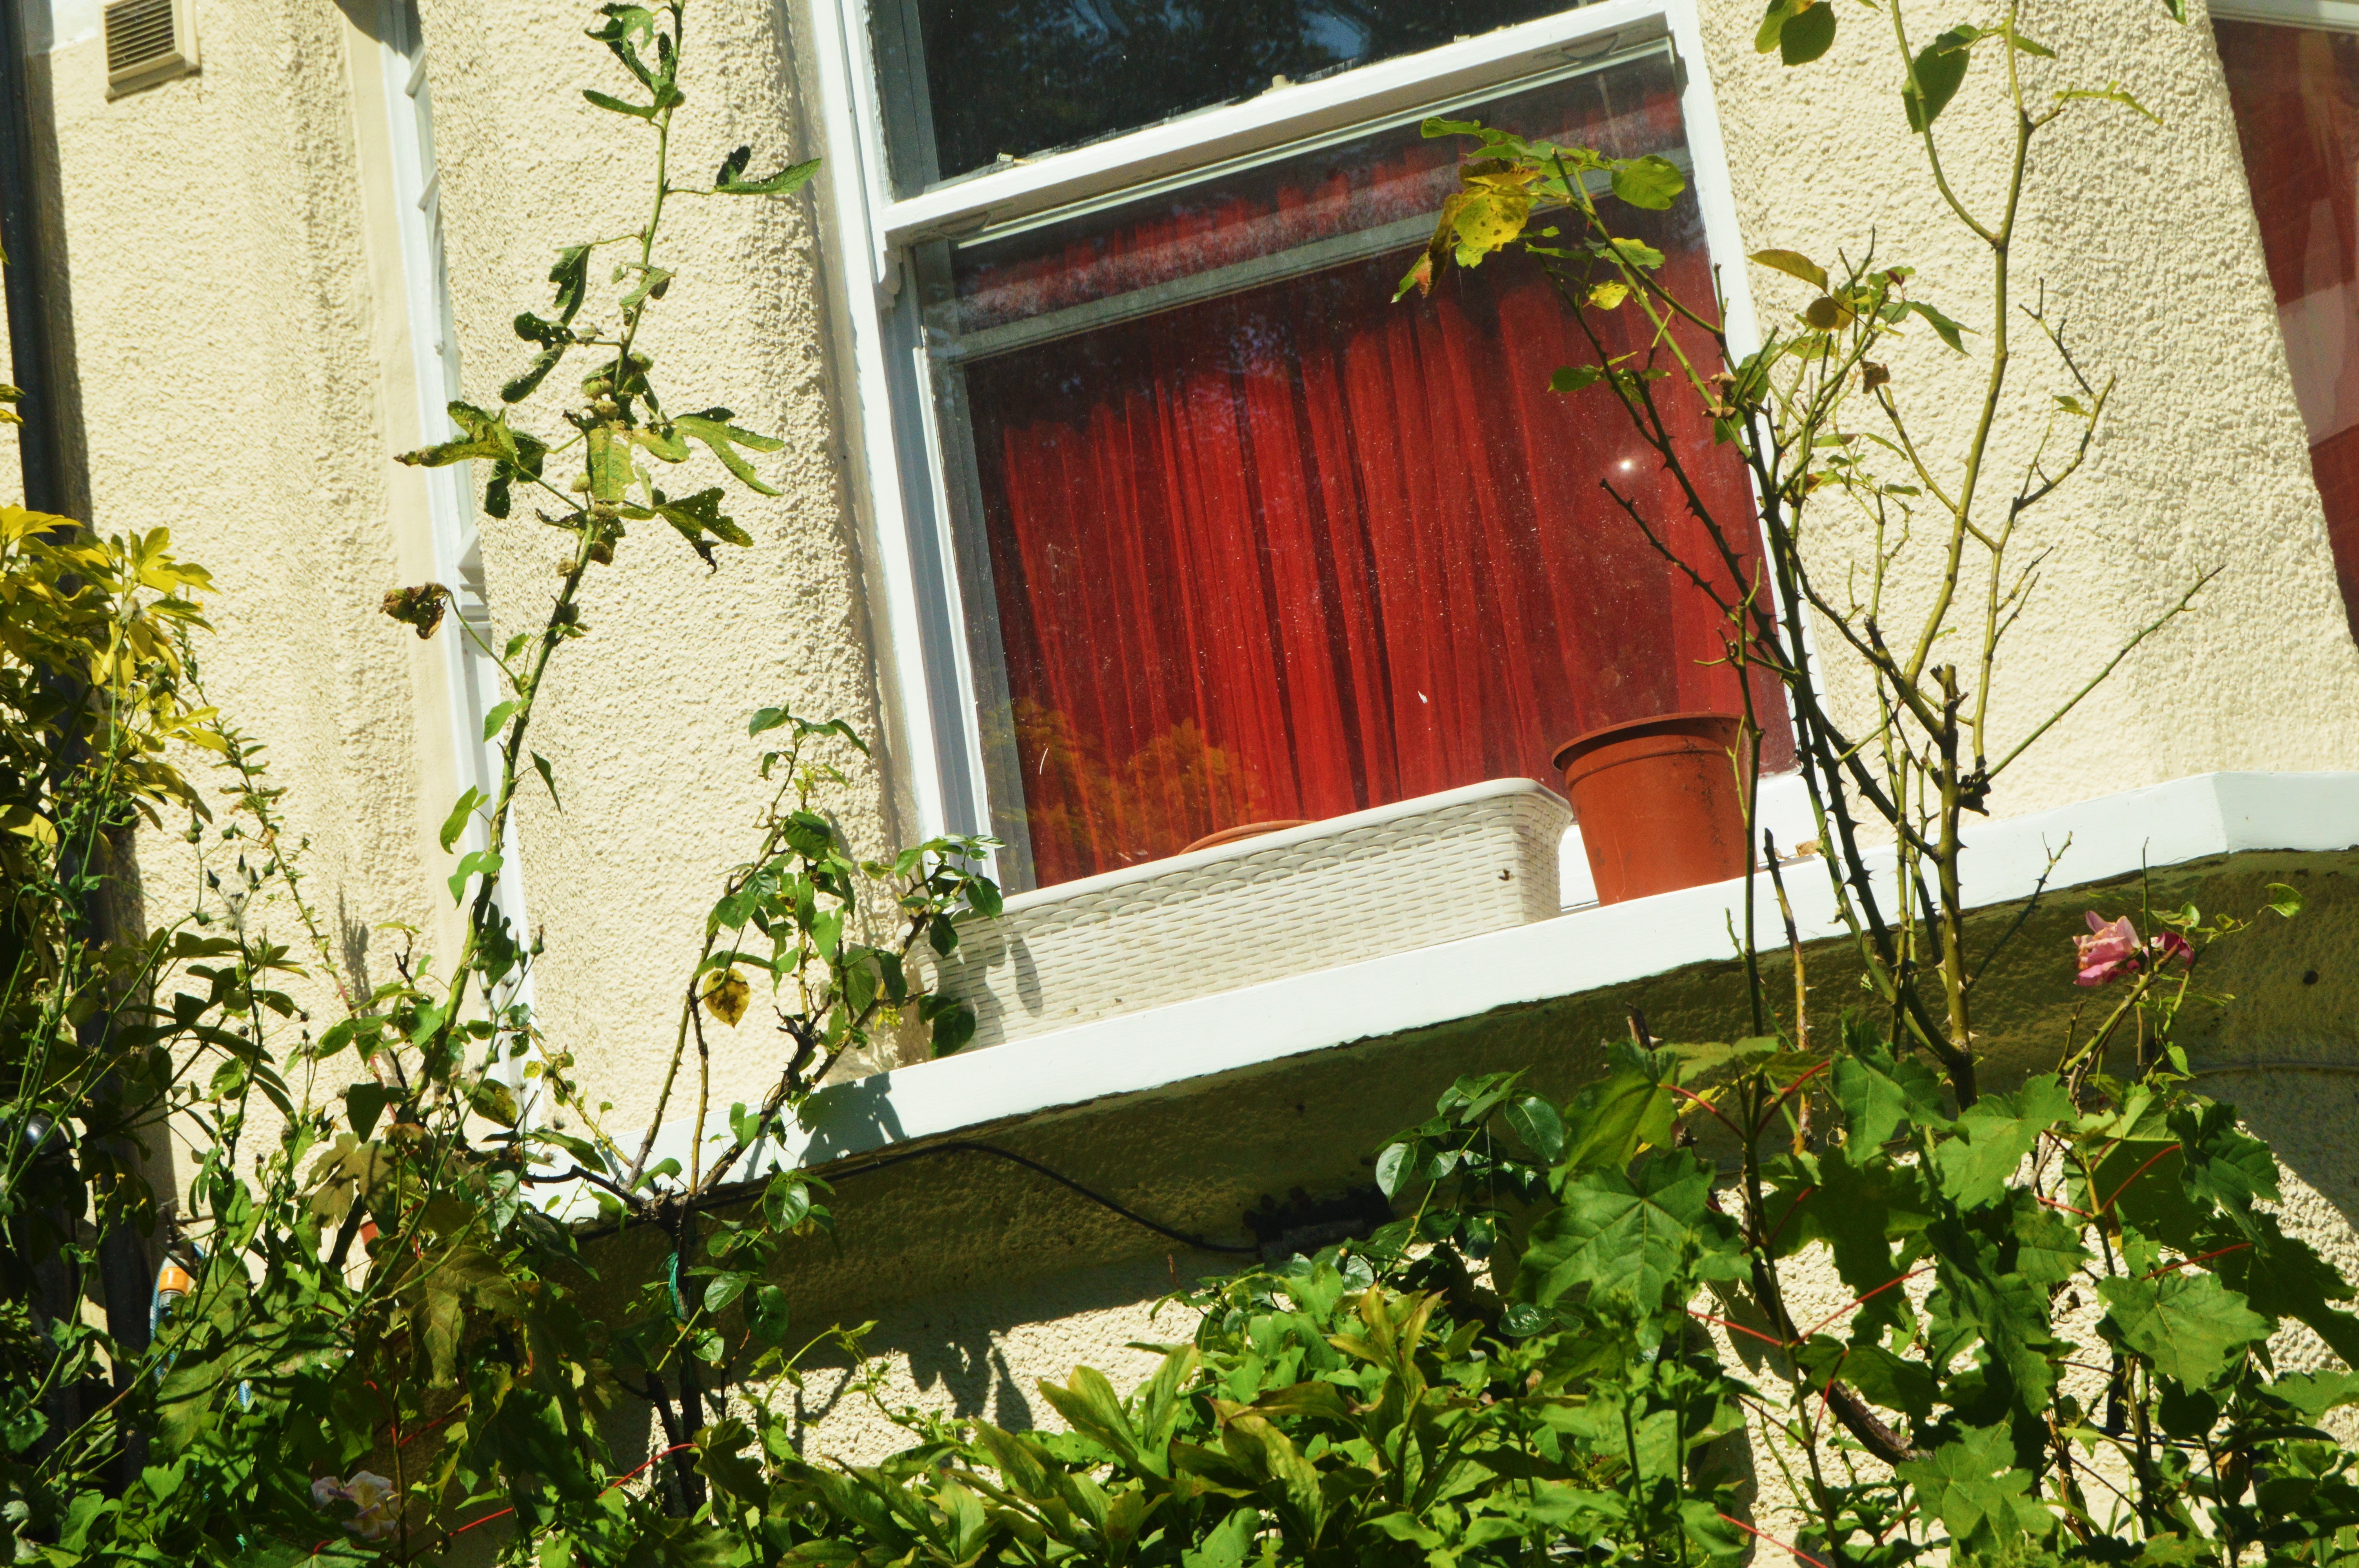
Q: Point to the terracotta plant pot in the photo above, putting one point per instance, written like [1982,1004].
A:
[1657,803]
[1244,830]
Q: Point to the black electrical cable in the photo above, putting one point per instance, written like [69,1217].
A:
[738,1194]
[1182,1236]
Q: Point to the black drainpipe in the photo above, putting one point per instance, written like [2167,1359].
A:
[125,1276]
[41,439]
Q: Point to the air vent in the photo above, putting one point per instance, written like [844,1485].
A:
[147,41]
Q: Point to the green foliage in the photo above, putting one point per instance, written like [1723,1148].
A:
[378,1264]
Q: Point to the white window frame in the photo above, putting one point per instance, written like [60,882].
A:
[471,675]
[929,671]
[2331,16]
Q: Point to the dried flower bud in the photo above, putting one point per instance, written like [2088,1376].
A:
[420,607]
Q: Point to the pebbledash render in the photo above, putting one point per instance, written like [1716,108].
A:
[1103,584]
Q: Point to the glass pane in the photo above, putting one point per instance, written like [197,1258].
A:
[983,79]
[1252,542]
[2296,95]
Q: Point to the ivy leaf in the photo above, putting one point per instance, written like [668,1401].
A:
[730,180]
[2286,900]
[713,428]
[1652,182]
[1974,1487]
[2190,1326]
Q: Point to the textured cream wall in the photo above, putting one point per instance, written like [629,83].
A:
[2143,239]
[645,722]
[244,364]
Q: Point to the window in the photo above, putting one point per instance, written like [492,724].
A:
[2295,89]
[1190,526]
[472,679]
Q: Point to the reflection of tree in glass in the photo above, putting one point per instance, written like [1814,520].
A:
[1086,814]
[1021,76]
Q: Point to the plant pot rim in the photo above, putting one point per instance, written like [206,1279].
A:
[1591,739]
[1245,830]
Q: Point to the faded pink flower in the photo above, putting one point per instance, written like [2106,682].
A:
[2170,945]
[370,1494]
[2110,949]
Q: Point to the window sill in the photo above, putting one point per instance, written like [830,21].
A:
[2092,842]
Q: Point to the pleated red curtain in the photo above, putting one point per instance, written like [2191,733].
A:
[1299,551]
[2296,95]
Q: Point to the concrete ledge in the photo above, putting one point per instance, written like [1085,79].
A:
[2093,841]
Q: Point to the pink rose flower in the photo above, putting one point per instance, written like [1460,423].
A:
[2110,949]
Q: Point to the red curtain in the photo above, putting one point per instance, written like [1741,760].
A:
[1299,551]
[2296,95]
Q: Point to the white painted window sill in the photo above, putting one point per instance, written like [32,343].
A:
[1586,949]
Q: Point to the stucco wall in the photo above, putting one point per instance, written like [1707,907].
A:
[243,361]
[2142,239]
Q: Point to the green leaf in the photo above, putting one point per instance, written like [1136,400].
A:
[496,720]
[1608,1122]
[2112,92]
[1993,1137]
[1628,1236]
[609,101]
[1808,34]
[1536,1121]
[695,517]
[1881,1094]
[541,764]
[1574,378]
[730,180]
[1392,1167]
[2192,1327]
[454,825]
[712,427]
[2285,900]
[1653,182]
[1794,263]
[363,1103]
[571,274]
[1973,1486]
[483,860]
[1950,331]
[1934,79]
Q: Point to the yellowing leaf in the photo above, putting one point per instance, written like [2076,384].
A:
[725,995]
[1609,296]
[1794,263]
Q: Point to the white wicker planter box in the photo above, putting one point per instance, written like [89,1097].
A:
[1401,876]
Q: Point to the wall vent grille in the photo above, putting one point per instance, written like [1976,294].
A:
[147,41]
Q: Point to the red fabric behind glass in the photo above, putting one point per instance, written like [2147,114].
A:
[1299,551]
[2295,93]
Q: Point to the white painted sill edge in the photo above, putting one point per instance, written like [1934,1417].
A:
[2100,840]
